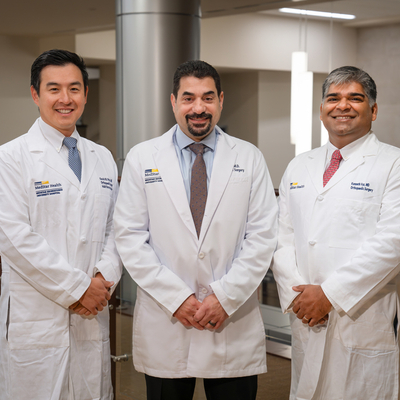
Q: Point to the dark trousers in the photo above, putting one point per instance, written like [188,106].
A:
[243,388]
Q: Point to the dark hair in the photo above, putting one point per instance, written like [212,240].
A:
[57,57]
[347,74]
[198,69]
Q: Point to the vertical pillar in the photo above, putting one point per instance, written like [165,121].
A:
[153,38]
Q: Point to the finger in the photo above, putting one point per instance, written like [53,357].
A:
[108,284]
[299,288]
[99,307]
[196,324]
[200,315]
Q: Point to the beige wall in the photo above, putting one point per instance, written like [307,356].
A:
[240,113]
[264,42]
[17,110]
[274,123]
[107,115]
[379,55]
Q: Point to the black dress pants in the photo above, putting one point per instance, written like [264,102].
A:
[242,388]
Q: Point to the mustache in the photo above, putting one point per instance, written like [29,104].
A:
[202,115]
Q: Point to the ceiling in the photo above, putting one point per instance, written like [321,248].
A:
[48,17]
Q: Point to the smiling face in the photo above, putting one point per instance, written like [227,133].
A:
[197,107]
[62,97]
[346,113]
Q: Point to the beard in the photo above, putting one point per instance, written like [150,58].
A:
[199,130]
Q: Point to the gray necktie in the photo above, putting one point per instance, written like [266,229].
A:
[74,160]
[198,186]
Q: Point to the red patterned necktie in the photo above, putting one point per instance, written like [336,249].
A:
[333,166]
[198,186]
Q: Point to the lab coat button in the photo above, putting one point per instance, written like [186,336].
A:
[311,242]
[83,240]
[204,290]
[320,198]
[83,197]
[201,255]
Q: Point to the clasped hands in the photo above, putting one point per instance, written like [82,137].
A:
[199,315]
[95,298]
[311,305]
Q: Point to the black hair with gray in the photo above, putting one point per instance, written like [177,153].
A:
[198,69]
[348,74]
[57,57]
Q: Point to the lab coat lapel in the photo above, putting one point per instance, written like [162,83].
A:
[167,164]
[224,161]
[89,160]
[315,166]
[38,144]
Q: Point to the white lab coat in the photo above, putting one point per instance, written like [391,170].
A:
[53,232]
[345,237]
[159,247]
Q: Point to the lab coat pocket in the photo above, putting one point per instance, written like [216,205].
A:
[372,328]
[353,222]
[101,209]
[35,321]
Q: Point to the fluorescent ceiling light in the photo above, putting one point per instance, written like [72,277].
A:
[317,13]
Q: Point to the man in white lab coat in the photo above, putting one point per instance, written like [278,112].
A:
[197,311]
[339,251]
[57,195]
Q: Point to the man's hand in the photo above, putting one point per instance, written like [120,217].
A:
[187,310]
[211,315]
[78,308]
[96,296]
[311,306]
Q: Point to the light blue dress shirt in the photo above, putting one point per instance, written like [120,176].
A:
[186,156]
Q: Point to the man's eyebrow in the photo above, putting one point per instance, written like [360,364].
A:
[357,94]
[192,94]
[350,94]
[77,83]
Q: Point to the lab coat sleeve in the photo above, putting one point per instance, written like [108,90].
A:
[284,264]
[376,262]
[110,265]
[27,252]
[253,260]
[132,235]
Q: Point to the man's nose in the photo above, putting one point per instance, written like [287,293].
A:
[65,97]
[198,106]
[343,104]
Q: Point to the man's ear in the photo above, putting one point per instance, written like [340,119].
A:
[173,101]
[35,95]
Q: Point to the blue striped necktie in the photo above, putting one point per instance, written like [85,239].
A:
[74,160]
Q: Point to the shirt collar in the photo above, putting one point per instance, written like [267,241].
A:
[349,150]
[183,141]
[54,136]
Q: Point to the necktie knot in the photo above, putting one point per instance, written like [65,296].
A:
[336,155]
[197,148]
[70,142]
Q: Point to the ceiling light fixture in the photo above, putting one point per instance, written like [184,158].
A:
[316,13]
